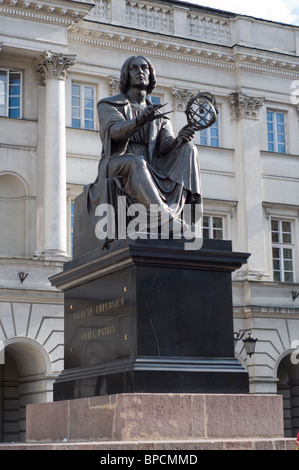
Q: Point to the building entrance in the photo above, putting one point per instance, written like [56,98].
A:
[23,380]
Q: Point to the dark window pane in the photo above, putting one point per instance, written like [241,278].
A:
[286,227]
[276,253]
[276,264]
[205,233]
[75,90]
[88,114]
[287,253]
[88,125]
[14,113]
[76,123]
[217,222]
[288,277]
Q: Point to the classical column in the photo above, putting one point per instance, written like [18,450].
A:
[250,221]
[52,69]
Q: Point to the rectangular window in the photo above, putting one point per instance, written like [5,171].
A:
[83,106]
[282,250]
[213,227]
[10,93]
[210,136]
[276,128]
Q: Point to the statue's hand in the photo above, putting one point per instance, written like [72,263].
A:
[186,134]
[148,114]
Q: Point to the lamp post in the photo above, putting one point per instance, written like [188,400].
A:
[249,343]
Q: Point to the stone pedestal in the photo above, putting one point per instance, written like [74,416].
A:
[150,419]
[148,316]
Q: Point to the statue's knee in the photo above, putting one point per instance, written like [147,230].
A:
[137,161]
[189,150]
[189,146]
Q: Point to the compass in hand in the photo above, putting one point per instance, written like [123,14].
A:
[201,111]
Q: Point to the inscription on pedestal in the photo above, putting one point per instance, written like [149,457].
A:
[99,321]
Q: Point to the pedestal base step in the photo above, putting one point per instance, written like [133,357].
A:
[144,417]
[161,447]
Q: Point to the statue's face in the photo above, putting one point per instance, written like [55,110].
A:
[139,73]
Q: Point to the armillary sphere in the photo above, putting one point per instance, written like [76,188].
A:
[201,111]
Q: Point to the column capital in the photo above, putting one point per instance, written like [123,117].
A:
[53,65]
[114,83]
[243,106]
[181,97]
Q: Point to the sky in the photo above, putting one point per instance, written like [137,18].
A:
[283,11]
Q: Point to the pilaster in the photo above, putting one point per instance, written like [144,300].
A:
[250,219]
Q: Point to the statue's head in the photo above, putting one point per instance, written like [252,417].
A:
[124,75]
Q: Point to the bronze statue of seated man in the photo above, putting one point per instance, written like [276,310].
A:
[141,158]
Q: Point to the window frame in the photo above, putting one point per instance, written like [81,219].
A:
[82,107]
[211,228]
[282,246]
[275,132]
[208,135]
[8,95]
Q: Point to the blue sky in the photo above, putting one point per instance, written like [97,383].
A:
[283,11]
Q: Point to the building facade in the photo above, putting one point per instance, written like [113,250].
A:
[57,59]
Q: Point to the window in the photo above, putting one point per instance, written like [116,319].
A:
[213,227]
[276,126]
[210,136]
[10,93]
[155,99]
[83,106]
[282,250]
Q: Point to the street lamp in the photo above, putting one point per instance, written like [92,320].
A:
[249,343]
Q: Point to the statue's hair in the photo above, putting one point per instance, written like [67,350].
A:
[124,75]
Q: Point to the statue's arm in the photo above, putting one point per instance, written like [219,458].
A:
[168,142]
[112,121]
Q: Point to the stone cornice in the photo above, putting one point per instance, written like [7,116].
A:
[184,50]
[63,12]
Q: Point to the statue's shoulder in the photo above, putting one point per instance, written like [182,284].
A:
[116,100]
